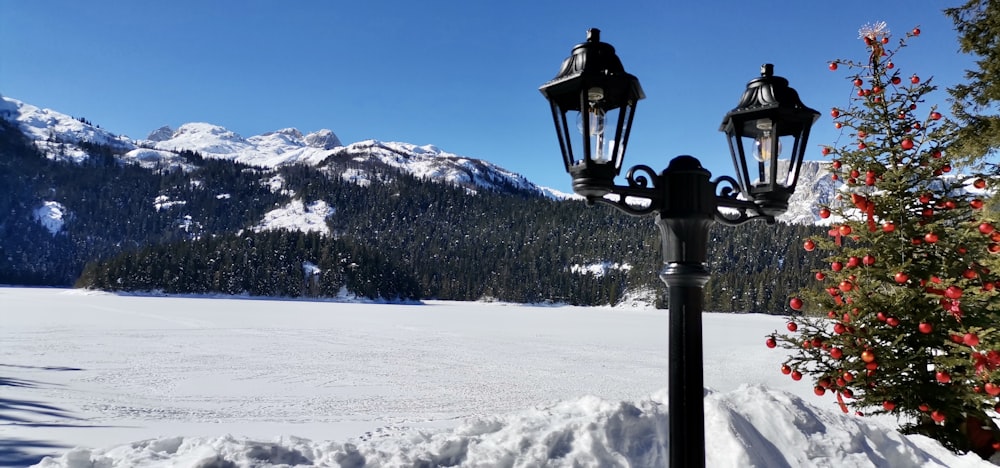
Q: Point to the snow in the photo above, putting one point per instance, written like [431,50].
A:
[158,160]
[51,215]
[285,146]
[163,202]
[101,380]
[296,216]
[599,269]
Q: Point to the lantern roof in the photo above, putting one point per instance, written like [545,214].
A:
[592,63]
[769,96]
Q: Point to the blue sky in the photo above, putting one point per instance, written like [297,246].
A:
[462,75]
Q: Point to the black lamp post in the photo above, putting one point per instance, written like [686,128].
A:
[770,123]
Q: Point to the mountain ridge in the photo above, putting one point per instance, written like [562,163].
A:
[59,136]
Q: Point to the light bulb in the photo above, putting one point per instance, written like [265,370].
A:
[596,119]
[764,142]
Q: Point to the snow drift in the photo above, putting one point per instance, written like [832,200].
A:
[750,427]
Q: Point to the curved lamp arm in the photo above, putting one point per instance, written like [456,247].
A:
[644,183]
[740,211]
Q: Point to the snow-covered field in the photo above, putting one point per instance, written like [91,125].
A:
[100,380]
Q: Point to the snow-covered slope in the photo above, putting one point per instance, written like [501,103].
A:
[58,134]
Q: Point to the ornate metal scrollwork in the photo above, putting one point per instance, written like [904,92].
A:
[640,180]
[642,183]
[731,209]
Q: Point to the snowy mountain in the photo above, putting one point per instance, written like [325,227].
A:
[815,188]
[63,137]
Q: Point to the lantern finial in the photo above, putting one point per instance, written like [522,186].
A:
[593,35]
[767,69]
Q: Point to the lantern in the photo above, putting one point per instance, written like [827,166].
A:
[593,102]
[767,134]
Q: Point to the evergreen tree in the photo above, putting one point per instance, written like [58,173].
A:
[975,102]
[909,291]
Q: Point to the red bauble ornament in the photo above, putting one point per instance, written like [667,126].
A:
[845,230]
[985,228]
[785,369]
[938,416]
[888,227]
[833,66]
[901,277]
[992,388]
[796,375]
[943,377]
[858,82]
[916,31]
[867,356]
[796,304]
[824,213]
[835,112]
[868,260]
[839,328]
[825,150]
[770,342]
[935,116]
[837,125]
[896,81]
[925,327]
[907,144]
[849,377]
[914,79]
[809,245]
[819,390]
[853,262]
[923,407]
[888,405]
[979,184]
[953,292]
[792,326]
[820,276]
[836,353]
[976,204]
[971,339]
[930,238]
[890,65]
[993,248]
[892,321]
[836,266]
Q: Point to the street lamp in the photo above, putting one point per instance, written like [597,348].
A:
[593,93]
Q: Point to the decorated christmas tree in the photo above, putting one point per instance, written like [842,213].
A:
[904,319]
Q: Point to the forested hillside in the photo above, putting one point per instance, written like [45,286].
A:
[130,228]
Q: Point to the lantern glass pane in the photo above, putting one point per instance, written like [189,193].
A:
[770,164]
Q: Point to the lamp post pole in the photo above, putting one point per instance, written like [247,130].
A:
[592,85]
[684,221]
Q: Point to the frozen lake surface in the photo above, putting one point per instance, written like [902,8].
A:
[176,381]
